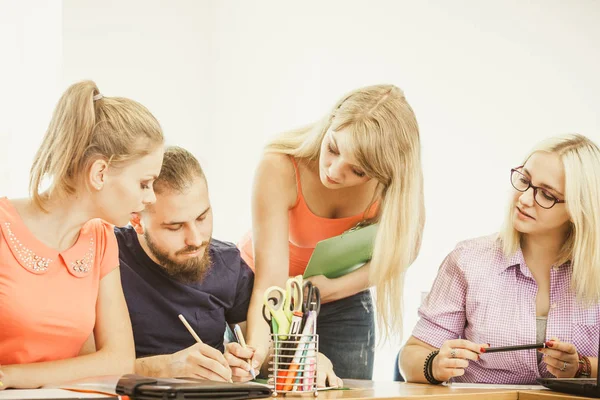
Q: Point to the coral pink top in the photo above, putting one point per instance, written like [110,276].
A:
[48,298]
[306,230]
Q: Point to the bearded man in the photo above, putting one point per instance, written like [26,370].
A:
[170,265]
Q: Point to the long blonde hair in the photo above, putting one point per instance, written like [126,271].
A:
[81,131]
[581,160]
[386,143]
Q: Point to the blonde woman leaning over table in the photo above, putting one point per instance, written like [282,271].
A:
[360,163]
[537,281]
[62,310]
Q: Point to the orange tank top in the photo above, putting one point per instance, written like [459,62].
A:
[305,230]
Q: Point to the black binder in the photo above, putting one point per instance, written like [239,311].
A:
[142,388]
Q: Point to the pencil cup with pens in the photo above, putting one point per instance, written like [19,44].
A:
[292,316]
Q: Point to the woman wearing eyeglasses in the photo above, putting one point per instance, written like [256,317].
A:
[537,281]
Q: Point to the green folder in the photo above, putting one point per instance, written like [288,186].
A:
[340,255]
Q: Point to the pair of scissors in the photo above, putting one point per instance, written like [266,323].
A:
[268,316]
[312,298]
[294,294]
[274,301]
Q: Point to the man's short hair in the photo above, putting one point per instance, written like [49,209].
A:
[179,169]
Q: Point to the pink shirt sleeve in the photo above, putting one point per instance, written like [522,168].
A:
[110,249]
[442,314]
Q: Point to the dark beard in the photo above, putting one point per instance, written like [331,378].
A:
[191,271]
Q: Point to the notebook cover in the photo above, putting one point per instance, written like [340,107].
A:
[142,388]
[340,255]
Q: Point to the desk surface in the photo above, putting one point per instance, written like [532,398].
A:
[367,390]
[363,390]
[547,395]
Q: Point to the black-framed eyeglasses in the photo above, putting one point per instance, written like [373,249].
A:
[522,183]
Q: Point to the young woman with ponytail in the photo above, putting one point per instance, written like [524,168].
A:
[62,311]
[360,164]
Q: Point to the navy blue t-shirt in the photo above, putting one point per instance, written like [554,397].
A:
[155,299]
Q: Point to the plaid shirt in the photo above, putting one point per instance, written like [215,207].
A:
[481,295]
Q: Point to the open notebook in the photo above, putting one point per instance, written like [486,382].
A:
[34,394]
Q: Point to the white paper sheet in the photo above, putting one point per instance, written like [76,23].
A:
[16,394]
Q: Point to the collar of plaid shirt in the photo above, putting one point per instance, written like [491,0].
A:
[517,260]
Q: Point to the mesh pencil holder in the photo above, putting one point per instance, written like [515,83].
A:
[293,364]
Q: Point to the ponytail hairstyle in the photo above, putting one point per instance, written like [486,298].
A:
[85,127]
[386,144]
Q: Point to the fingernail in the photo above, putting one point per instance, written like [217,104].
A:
[255,364]
[482,350]
[489,345]
[549,343]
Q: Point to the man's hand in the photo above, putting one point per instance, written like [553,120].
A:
[258,359]
[200,361]
[237,357]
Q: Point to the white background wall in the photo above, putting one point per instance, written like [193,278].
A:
[30,59]
[487,80]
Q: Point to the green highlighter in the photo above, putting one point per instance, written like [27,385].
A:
[340,255]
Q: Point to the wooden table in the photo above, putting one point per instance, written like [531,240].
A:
[547,395]
[367,390]
[363,390]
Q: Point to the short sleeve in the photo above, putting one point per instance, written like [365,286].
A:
[109,249]
[442,314]
[245,283]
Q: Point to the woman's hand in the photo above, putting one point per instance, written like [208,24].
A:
[453,358]
[2,385]
[561,358]
[5,377]
[325,373]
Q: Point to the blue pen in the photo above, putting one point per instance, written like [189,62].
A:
[237,331]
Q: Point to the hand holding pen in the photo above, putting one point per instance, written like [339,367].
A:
[239,356]
[239,359]
[561,358]
[453,358]
[199,361]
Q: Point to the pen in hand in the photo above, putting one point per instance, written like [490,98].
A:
[193,333]
[515,348]
[237,331]
[189,328]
